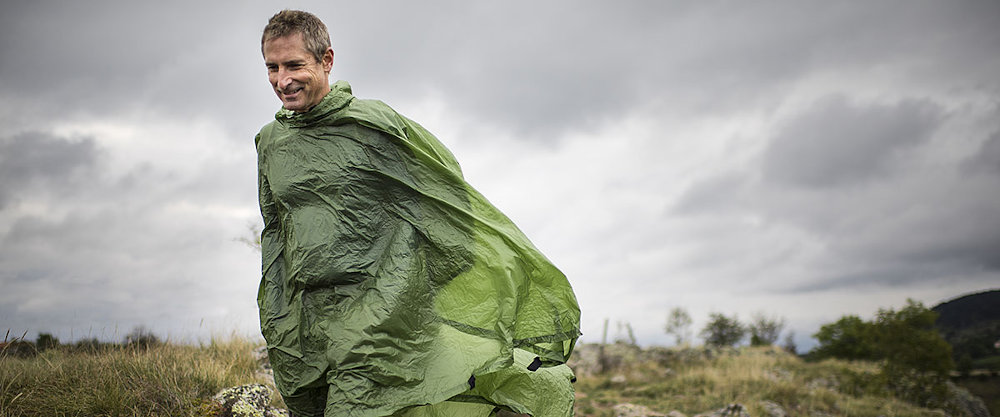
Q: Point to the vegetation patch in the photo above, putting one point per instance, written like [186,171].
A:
[153,379]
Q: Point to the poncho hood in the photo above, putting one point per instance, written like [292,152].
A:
[338,98]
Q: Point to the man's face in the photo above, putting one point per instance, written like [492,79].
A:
[297,78]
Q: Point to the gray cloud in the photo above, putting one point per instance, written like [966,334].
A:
[534,69]
[94,237]
[175,59]
[838,143]
[711,195]
[659,144]
[986,159]
[878,189]
[541,69]
[39,162]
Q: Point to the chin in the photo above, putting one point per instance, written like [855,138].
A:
[293,106]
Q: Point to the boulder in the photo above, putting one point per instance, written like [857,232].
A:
[773,409]
[633,410]
[966,404]
[248,401]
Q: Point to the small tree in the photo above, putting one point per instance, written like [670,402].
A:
[849,338]
[915,358]
[679,325]
[46,341]
[789,343]
[141,337]
[764,330]
[91,345]
[908,339]
[723,331]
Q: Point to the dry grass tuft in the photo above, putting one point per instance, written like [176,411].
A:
[162,380]
[697,380]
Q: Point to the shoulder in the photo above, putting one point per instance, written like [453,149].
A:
[268,134]
[264,132]
[376,115]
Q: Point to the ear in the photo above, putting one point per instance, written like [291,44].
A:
[328,60]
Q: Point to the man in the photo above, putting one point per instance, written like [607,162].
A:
[390,286]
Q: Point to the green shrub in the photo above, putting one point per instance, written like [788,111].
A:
[915,358]
[722,331]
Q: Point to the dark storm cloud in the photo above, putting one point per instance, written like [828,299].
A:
[836,142]
[34,162]
[568,66]
[552,67]
[658,97]
[535,69]
[987,159]
[70,60]
[128,260]
[873,185]
[712,195]
[866,277]
[93,229]
[953,225]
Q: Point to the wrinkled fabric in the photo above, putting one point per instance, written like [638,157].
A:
[390,286]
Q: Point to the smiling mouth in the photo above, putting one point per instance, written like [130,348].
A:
[291,91]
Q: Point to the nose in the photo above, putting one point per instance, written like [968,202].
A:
[284,79]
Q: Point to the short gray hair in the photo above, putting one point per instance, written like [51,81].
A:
[290,22]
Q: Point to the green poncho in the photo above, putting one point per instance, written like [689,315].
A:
[390,283]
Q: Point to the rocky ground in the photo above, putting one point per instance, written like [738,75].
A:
[612,376]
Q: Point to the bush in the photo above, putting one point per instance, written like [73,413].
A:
[849,338]
[722,331]
[907,339]
[915,358]
[141,337]
[92,346]
[678,323]
[18,349]
[46,341]
[764,330]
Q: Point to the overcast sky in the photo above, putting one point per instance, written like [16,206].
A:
[801,159]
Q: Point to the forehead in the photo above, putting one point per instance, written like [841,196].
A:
[285,48]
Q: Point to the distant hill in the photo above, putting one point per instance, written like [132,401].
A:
[969,310]
[971,324]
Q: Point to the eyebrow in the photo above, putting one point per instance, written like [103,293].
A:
[285,63]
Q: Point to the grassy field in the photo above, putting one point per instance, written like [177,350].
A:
[178,380]
[696,380]
[162,380]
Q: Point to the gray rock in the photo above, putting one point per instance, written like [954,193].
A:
[261,355]
[965,403]
[823,383]
[731,410]
[248,401]
[773,409]
[633,410]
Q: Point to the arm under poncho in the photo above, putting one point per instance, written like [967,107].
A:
[389,283]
